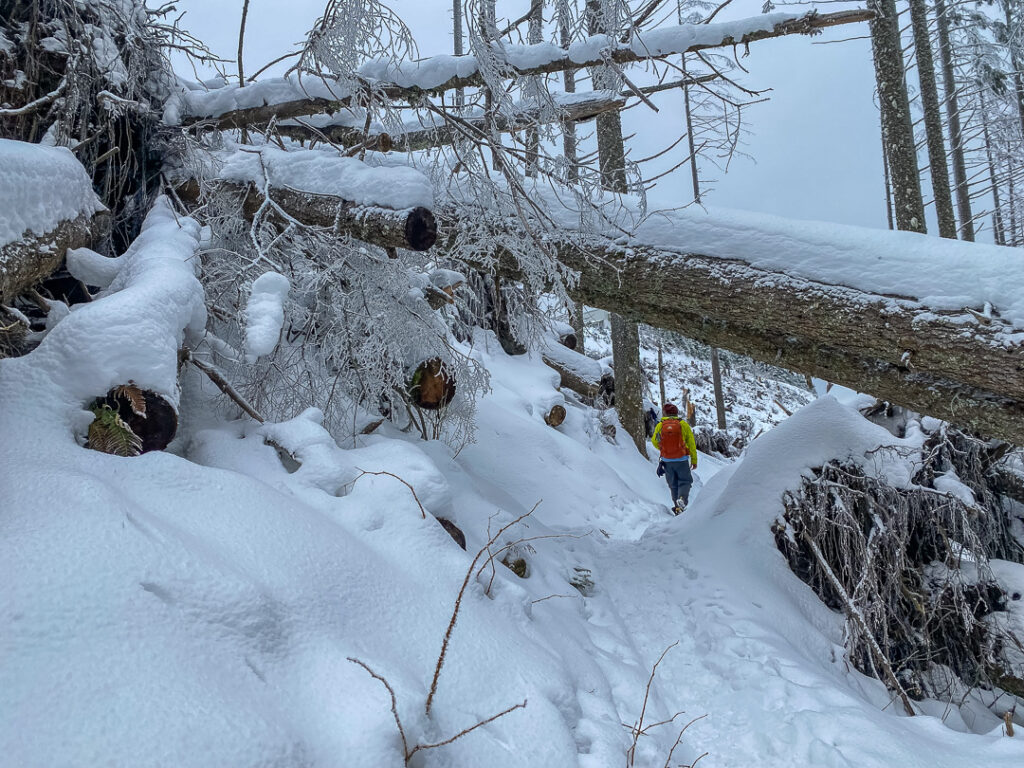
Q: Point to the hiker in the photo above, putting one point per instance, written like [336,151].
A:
[674,439]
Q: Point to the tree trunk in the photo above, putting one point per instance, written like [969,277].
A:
[1013,45]
[569,82]
[897,128]
[28,261]
[629,401]
[887,178]
[611,154]
[661,378]
[932,120]
[532,87]
[999,231]
[576,313]
[413,228]
[956,135]
[460,93]
[716,376]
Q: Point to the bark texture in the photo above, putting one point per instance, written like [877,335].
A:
[28,261]
[611,154]
[897,128]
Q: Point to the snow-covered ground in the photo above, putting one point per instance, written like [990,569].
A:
[204,606]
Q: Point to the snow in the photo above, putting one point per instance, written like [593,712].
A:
[391,186]
[92,268]
[264,314]
[39,188]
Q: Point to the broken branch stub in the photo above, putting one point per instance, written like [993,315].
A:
[431,386]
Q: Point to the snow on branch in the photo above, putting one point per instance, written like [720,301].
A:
[234,107]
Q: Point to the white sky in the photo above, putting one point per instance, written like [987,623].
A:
[816,143]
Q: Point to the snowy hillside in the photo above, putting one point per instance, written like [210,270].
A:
[215,605]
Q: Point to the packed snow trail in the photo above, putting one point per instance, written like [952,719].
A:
[757,652]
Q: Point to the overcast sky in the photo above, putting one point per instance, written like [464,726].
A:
[815,145]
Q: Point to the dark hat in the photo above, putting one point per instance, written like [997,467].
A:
[669,409]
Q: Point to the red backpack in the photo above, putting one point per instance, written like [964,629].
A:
[672,444]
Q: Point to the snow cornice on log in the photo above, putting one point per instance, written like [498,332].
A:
[258,103]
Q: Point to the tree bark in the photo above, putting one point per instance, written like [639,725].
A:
[28,261]
[956,135]
[932,120]
[413,228]
[897,127]
[569,83]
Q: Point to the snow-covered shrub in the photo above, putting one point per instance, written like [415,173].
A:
[910,565]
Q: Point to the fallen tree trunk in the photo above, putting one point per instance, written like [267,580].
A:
[28,261]
[577,372]
[448,132]
[660,44]
[893,348]
[412,228]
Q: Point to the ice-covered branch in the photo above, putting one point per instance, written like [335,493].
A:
[233,107]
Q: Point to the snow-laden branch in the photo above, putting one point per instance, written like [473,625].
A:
[283,98]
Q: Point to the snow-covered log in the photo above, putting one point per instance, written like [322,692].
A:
[258,103]
[946,364]
[577,372]
[412,228]
[572,110]
[47,205]
[386,205]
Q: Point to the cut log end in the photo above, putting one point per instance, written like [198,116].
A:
[555,416]
[420,229]
[432,386]
[130,421]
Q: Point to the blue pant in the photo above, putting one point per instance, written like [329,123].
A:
[679,479]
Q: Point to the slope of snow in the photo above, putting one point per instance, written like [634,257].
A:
[942,274]
[202,607]
[39,188]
